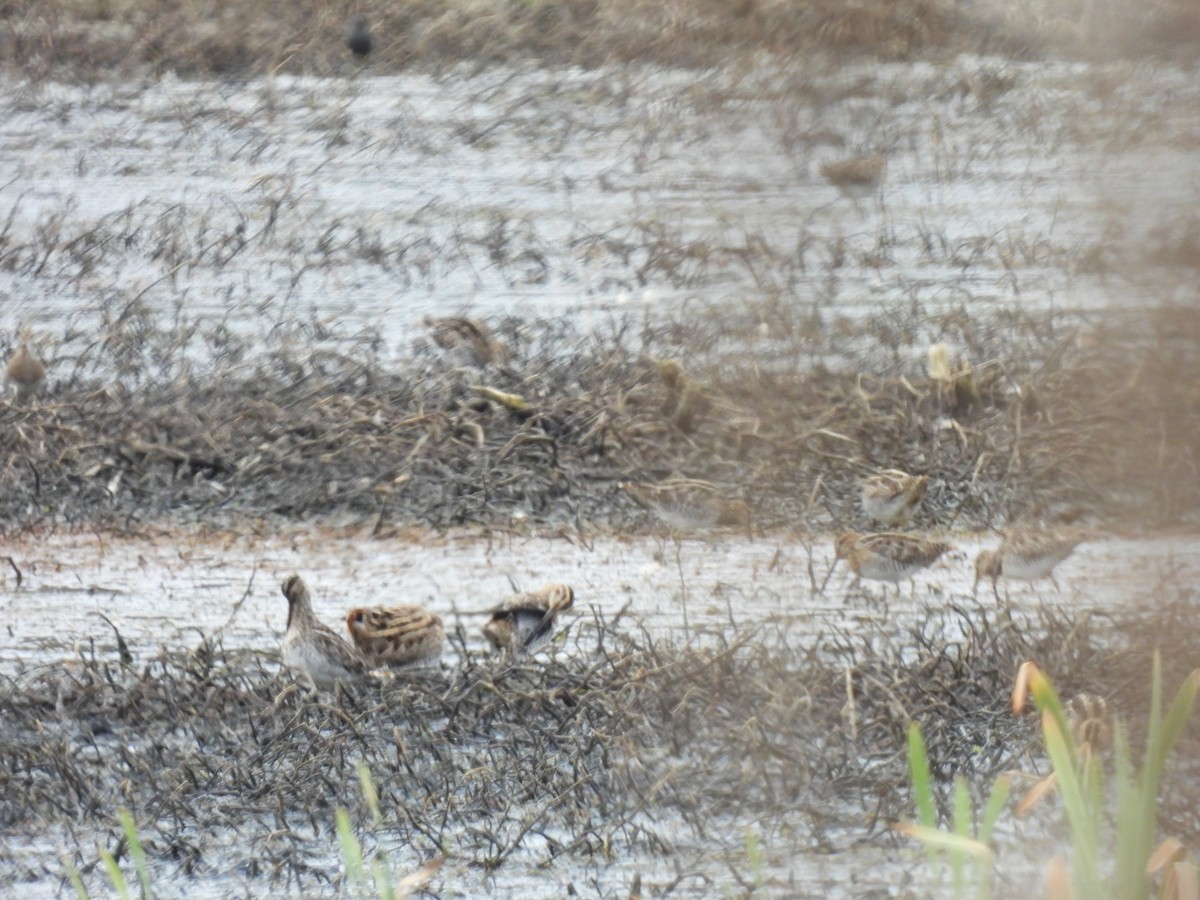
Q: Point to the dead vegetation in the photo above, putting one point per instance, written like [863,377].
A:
[92,40]
[1064,418]
[556,756]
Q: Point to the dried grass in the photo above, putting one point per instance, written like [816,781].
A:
[1065,418]
[617,743]
[93,39]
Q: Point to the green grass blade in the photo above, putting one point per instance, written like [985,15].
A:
[369,793]
[385,888]
[1083,819]
[995,805]
[1178,713]
[997,799]
[963,814]
[1047,700]
[73,876]
[1137,803]
[963,825]
[1155,706]
[136,850]
[114,875]
[944,840]
[351,851]
[918,767]
[755,857]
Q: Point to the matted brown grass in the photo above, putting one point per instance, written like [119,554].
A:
[1065,417]
[92,39]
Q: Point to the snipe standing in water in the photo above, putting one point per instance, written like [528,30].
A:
[685,504]
[398,635]
[858,177]
[524,622]
[311,648]
[1026,554]
[885,556]
[892,497]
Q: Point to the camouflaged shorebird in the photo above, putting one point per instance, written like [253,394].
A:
[886,556]
[467,342]
[858,177]
[688,505]
[524,622]
[311,648]
[25,373]
[892,497]
[1026,554]
[398,635]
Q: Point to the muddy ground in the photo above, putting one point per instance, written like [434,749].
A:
[229,280]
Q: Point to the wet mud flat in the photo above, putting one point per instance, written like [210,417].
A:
[633,746]
[375,201]
[243,384]
[704,703]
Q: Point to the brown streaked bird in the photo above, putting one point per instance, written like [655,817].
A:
[358,38]
[858,177]
[397,635]
[468,341]
[1026,554]
[892,496]
[686,504]
[311,648]
[885,556]
[25,373]
[524,622]
[1091,725]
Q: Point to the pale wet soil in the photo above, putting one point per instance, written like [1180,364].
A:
[703,689]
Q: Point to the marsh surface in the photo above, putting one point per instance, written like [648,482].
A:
[196,256]
[371,202]
[180,594]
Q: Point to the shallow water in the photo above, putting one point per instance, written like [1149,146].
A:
[371,202]
[171,590]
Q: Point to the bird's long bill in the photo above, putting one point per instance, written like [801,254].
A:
[828,575]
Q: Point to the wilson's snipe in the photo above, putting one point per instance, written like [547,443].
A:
[524,622]
[1026,554]
[688,505]
[886,557]
[858,177]
[25,373]
[892,497]
[468,341]
[398,635]
[311,648]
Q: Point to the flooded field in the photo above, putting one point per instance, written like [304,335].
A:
[229,283]
[367,203]
[178,593]
[170,591]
